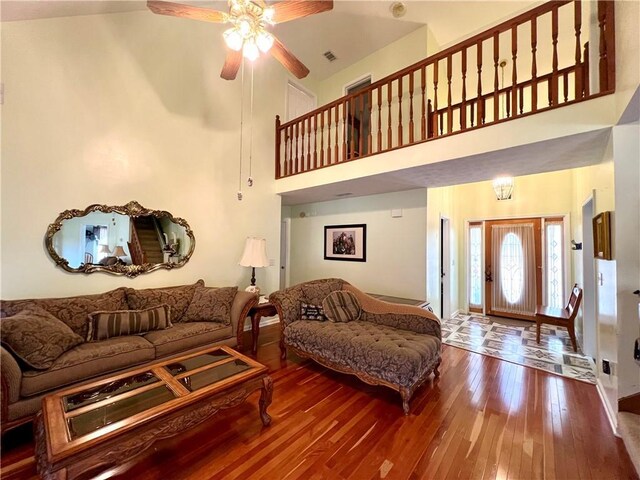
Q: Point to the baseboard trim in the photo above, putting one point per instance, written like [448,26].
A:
[455,313]
[612,415]
[263,322]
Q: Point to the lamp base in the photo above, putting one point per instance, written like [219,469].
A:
[253,289]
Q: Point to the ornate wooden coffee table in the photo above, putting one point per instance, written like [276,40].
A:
[95,427]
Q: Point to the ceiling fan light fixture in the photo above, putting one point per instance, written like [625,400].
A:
[250,50]
[264,40]
[233,38]
[268,14]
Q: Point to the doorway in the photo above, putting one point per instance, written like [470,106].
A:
[445,262]
[589,329]
[513,268]
[358,119]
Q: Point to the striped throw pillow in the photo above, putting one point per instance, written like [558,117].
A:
[341,306]
[103,325]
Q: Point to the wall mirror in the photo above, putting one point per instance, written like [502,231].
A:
[121,240]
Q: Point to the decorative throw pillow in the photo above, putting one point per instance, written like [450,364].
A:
[103,325]
[311,312]
[178,298]
[341,306]
[315,292]
[36,337]
[211,304]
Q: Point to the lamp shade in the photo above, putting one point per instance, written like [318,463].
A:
[119,251]
[255,253]
[104,249]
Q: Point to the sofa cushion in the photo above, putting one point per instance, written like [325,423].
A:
[311,312]
[178,298]
[86,361]
[211,304]
[103,325]
[36,337]
[397,356]
[184,336]
[315,292]
[72,311]
[341,306]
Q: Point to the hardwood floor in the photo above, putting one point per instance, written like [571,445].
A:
[483,418]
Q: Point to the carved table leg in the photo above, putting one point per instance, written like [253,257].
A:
[283,349]
[255,331]
[265,400]
[405,393]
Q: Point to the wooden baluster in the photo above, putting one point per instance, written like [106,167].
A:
[360,131]
[423,122]
[321,139]
[411,125]
[389,138]
[369,136]
[309,144]
[441,119]
[303,163]
[400,138]
[290,164]
[508,102]
[553,80]
[296,165]
[449,99]
[380,118]
[607,46]
[345,128]
[463,106]
[577,21]
[534,66]
[496,82]
[435,98]
[352,140]
[480,101]
[472,116]
[429,119]
[336,157]
[278,138]
[315,141]
[585,71]
[285,164]
[328,136]
[565,86]
[521,99]
[514,66]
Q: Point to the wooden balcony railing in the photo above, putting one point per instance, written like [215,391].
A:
[543,53]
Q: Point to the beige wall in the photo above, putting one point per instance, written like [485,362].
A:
[396,259]
[120,107]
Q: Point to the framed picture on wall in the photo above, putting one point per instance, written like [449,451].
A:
[345,242]
[602,236]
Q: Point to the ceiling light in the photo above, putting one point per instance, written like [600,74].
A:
[503,187]
[398,9]
[267,15]
[233,39]
[250,50]
[264,40]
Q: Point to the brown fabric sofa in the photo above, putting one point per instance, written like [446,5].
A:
[389,344]
[23,387]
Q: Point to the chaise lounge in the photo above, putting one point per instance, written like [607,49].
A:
[381,343]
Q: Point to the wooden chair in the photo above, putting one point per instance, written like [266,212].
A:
[563,317]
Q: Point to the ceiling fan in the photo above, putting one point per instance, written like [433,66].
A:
[248,34]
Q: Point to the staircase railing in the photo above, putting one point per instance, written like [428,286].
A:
[138,257]
[543,53]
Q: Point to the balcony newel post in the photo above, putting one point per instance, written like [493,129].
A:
[278,146]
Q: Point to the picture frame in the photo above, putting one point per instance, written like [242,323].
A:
[602,236]
[346,242]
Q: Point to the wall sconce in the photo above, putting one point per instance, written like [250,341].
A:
[503,186]
[576,245]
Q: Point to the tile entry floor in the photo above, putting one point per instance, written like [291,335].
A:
[515,341]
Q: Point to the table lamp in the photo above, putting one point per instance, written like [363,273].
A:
[254,256]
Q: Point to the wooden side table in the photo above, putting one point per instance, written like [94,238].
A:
[256,313]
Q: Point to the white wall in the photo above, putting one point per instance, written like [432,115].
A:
[395,246]
[112,108]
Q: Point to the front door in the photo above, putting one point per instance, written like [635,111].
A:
[513,271]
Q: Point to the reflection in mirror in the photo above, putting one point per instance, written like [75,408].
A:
[125,240]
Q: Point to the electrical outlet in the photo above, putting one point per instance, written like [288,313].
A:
[606,367]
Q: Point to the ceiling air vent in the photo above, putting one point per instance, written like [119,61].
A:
[330,56]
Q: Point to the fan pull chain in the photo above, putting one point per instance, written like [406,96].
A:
[250,179]
[241,122]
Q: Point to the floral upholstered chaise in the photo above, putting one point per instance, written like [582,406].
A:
[381,343]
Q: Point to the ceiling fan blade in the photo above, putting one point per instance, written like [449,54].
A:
[291,9]
[185,11]
[286,58]
[231,65]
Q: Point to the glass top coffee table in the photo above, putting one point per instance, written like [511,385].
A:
[105,423]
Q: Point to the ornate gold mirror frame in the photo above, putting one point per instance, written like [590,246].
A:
[133,210]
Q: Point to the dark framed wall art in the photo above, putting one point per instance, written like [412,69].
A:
[345,242]
[602,236]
